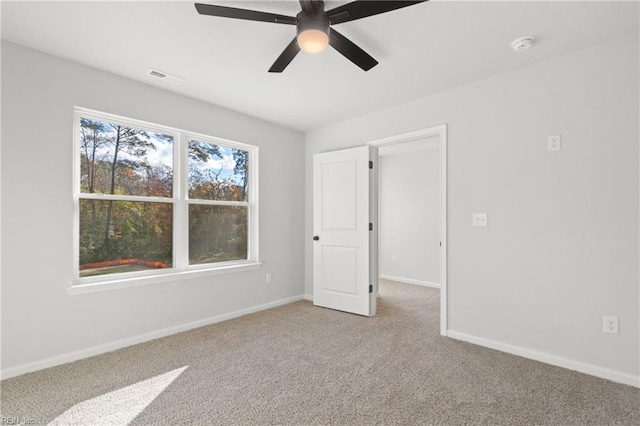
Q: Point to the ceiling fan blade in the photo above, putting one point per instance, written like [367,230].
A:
[362,9]
[285,57]
[249,15]
[350,51]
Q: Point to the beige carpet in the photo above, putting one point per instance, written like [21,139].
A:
[299,365]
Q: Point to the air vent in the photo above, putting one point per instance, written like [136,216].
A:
[165,76]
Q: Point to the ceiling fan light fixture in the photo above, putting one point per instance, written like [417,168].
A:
[313,41]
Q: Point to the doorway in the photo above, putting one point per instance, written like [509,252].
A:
[434,139]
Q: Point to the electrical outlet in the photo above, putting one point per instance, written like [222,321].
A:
[479,219]
[611,325]
[268,277]
[553,143]
[394,259]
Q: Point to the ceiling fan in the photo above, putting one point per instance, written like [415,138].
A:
[314,27]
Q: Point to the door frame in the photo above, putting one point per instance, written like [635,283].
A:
[441,132]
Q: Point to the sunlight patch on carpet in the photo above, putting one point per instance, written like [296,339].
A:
[120,406]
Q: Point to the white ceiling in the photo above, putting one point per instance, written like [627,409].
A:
[422,49]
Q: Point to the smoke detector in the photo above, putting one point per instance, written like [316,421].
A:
[165,76]
[522,43]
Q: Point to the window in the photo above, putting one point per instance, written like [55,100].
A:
[152,200]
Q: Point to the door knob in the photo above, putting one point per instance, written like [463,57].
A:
[316,238]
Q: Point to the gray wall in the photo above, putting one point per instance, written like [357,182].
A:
[410,216]
[39,318]
[561,249]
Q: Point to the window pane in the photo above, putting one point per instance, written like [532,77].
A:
[217,172]
[217,233]
[124,236]
[116,159]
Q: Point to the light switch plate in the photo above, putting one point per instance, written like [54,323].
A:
[479,219]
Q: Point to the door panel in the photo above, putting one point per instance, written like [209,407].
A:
[340,269]
[339,195]
[341,254]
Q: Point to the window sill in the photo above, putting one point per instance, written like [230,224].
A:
[79,287]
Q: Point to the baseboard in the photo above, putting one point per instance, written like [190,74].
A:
[119,344]
[410,281]
[308,297]
[593,370]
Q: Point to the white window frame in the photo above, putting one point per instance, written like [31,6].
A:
[180,268]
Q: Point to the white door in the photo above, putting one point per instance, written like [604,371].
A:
[341,246]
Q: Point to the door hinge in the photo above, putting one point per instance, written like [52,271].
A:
[370,226]
[371,164]
[370,288]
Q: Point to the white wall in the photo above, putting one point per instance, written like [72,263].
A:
[410,215]
[561,249]
[40,320]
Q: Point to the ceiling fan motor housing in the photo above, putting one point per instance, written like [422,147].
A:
[317,20]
